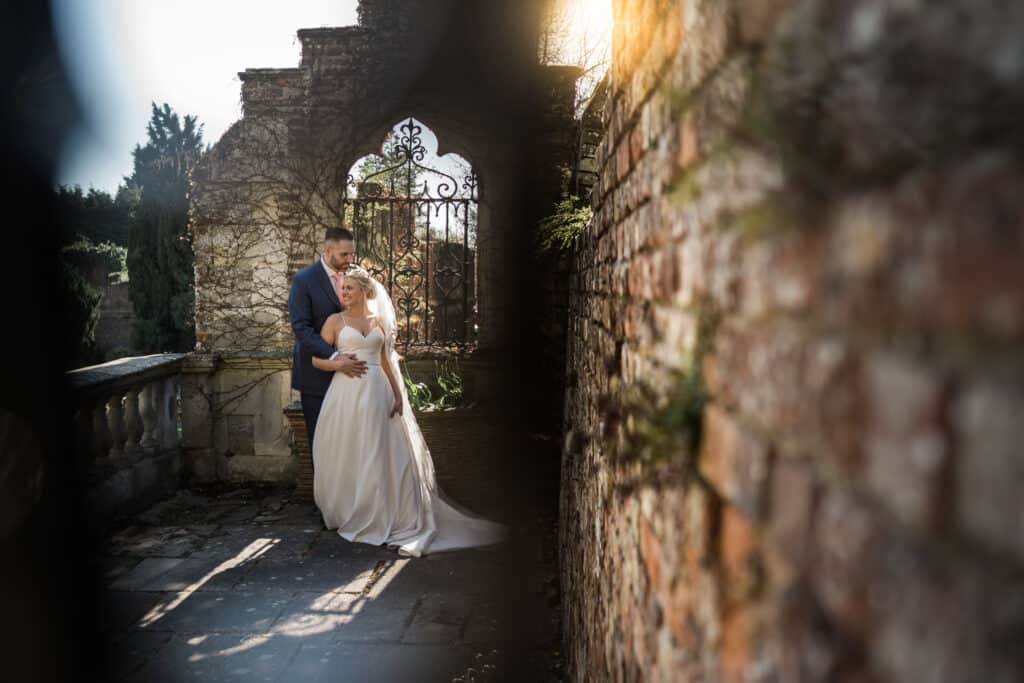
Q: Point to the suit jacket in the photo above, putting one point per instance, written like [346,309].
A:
[311,300]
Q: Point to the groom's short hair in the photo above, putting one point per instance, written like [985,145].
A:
[337,235]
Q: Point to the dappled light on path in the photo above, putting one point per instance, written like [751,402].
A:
[251,553]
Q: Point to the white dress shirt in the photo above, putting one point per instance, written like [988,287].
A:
[330,274]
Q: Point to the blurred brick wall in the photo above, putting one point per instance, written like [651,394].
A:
[795,407]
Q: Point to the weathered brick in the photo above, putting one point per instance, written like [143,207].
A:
[987,418]
[757,18]
[808,644]
[736,649]
[636,144]
[792,509]
[663,275]
[689,144]
[653,561]
[907,450]
[949,620]
[740,561]
[845,537]
[781,274]
[622,161]
[734,461]
[762,371]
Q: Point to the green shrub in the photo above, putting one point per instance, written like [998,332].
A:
[450,389]
[570,218]
[82,312]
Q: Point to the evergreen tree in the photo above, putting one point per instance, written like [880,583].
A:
[160,261]
[95,215]
[81,304]
[390,172]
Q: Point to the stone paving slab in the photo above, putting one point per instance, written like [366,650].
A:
[130,652]
[197,575]
[439,618]
[144,572]
[124,610]
[324,575]
[161,541]
[322,661]
[232,612]
[344,617]
[293,514]
[238,515]
[280,543]
[109,569]
[329,546]
[484,624]
[257,590]
[219,657]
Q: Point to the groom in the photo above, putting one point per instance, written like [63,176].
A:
[315,295]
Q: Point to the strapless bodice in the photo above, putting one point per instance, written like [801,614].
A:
[366,349]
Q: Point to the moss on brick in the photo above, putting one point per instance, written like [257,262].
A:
[663,427]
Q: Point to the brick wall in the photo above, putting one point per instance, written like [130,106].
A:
[117,317]
[795,387]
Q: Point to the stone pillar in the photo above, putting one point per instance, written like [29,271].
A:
[196,416]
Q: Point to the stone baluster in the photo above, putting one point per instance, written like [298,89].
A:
[149,409]
[132,420]
[168,417]
[101,439]
[115,421]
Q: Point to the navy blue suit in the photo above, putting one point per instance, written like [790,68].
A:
[311,300]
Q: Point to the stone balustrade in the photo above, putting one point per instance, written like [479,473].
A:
[127,430]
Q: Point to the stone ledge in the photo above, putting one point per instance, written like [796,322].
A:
[124,372]
[332,32]
[267,74]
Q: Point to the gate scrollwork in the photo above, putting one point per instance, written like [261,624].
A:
[415,230]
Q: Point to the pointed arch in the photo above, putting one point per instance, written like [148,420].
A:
[414,214]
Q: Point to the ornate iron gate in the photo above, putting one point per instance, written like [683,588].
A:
[415,230]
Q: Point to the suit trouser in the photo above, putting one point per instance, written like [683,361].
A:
[311,404]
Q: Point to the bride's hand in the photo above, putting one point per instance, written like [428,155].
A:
[396,409]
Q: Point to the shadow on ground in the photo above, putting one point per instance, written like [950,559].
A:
[244,584]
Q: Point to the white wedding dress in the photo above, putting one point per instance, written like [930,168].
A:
[373,476]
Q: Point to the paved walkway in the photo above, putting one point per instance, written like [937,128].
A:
[245,585]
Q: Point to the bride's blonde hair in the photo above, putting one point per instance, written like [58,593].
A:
[360,275]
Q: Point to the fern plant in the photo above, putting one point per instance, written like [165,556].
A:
[556,232]
[449,381]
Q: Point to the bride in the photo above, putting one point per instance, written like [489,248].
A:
[373,478]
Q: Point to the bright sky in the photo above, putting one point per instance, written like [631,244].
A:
[123,54]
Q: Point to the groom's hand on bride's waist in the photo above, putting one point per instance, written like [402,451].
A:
[348,364]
